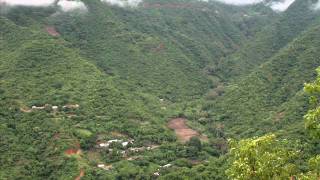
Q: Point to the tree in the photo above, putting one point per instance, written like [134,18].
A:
[260,158]
[312,124]
[312,118]
[195,142]
[267,158]
[314,169]
[194,147]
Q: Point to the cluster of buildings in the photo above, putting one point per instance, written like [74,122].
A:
[48,106]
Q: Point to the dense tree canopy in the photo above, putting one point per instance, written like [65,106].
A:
[92,94]
[261,158]
[312,118]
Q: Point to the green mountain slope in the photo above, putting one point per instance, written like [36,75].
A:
[159,50]
[43,70]
[270,98]
[268,41]
[72,81]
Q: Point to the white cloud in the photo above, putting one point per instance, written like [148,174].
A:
[316,6]
[240,2]
[27,2]
[123,3]
[71,5]
[68,5]
[276,6]
[281,6]
[65,5]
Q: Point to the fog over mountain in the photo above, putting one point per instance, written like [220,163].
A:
[316,6]
[28,2]
[123,3]
[277,6]
[71,5]
[281,6]
[65,5]
[77,4]
[240,2]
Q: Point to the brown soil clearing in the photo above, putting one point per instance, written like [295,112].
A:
[183,132]
[52,31]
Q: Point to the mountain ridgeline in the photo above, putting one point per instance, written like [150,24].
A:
[109,92]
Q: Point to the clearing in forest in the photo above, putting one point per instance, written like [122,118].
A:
[183,132]
[52,31]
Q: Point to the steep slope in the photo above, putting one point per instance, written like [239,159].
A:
[270,98]
[159,49]
[39,70]
[275,36]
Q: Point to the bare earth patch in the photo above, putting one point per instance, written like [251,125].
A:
[117,134]
[183,132]
[25,110]
[52,31]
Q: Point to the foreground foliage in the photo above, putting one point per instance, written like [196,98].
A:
[268,158]
[261,158]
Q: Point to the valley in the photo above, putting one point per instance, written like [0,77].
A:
[180,89]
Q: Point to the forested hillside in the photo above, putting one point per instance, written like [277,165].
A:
[268,41]
[180,89]
[159,49]
[270,97]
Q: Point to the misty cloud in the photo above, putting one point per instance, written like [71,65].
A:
[316,6]
[65,5]
[71,5]
[281,6]
[123,3]
[239,2]
[276,6]
[27,2]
